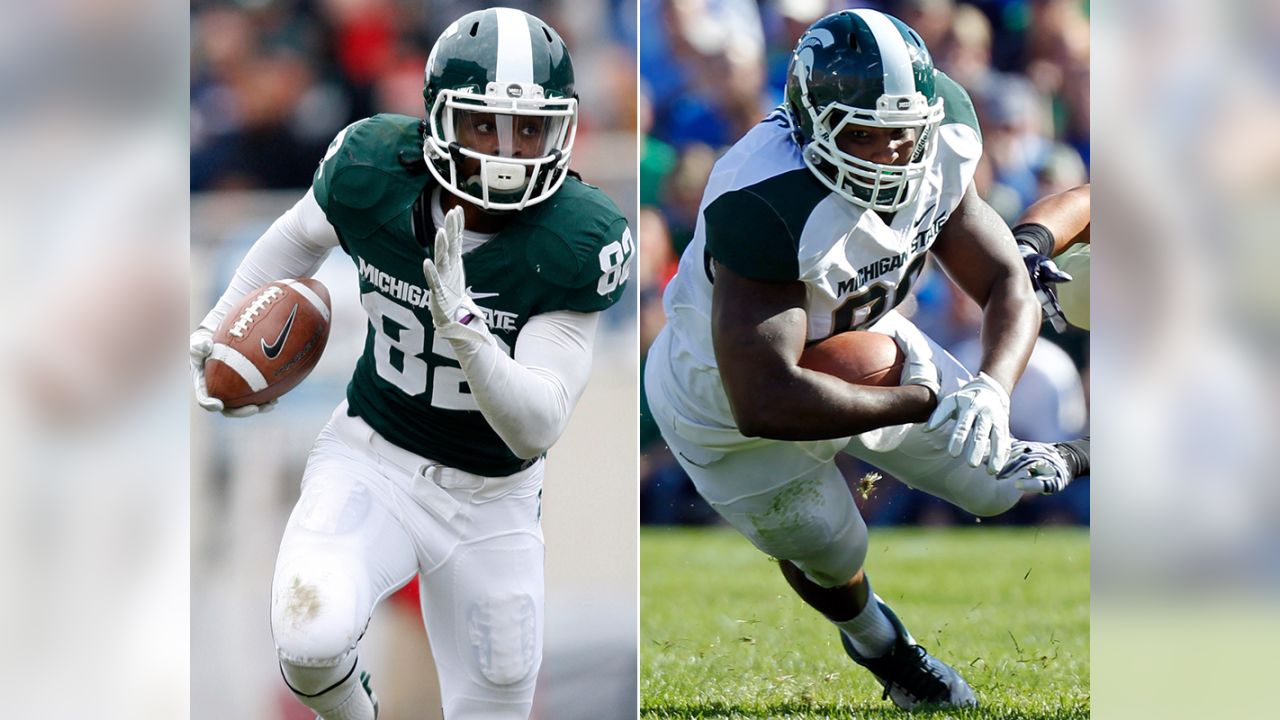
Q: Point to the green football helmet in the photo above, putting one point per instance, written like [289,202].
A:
[501,109]
[862,67]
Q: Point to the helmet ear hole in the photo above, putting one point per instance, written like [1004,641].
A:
[853,41]
[475,27]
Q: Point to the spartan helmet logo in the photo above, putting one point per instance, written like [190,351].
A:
[817,37]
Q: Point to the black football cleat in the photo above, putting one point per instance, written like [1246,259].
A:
[910,676]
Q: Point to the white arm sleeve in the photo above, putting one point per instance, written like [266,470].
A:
[528,399]
[294,246]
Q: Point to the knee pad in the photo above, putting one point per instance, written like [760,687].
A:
[812,522]
[839,559]
[975,491]
[315,615]
[994,498]
[483,610]
[502,629]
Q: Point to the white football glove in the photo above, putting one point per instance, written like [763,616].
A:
[453,312]
[981,411]
[201,347]
[918,368]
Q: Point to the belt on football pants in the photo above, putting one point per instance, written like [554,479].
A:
[358,434]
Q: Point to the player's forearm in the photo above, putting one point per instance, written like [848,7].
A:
[528,400]
[294,246]
[806,405]
[1010,321]
[527,407]
[1065,215]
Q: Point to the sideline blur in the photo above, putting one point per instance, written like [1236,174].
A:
[1186,344]
[93,423]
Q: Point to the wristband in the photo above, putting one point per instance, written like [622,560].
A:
[1035,236]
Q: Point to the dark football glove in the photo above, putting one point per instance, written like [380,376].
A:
[1035,242]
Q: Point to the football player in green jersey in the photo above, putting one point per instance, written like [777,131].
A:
[483,264]
[817,222]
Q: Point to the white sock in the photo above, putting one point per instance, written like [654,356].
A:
[870,630]
[341,694]
[356,706]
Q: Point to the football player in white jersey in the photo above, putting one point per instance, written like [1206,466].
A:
[817,222]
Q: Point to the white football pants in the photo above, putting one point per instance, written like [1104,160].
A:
[371,515]
[790,500]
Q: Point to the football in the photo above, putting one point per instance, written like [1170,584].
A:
[858,357]
[269,342]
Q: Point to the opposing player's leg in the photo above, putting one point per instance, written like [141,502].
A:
[483,604]
[341,553]
[792,503]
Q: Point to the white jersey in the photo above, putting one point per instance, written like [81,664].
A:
[766,217]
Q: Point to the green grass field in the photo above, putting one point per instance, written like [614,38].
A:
[722,636]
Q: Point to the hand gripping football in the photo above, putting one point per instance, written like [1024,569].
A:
[269,342]
[857,357]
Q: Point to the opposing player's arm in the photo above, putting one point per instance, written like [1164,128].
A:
[976,249]
[758,329]
[1064,215]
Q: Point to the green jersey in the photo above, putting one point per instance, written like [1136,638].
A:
[569,252]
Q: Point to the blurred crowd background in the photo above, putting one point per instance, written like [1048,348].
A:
[711,69]
[272,82]
[272,79]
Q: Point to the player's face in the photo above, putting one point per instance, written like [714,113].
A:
[886,146]
[503,135]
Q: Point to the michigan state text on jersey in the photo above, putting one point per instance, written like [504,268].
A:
[764,215]
[569,252]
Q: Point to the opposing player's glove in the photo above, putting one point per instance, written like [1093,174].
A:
[918,368]
[1038,468]
[453,312]
[1035,243]
[981,411]
[201,347]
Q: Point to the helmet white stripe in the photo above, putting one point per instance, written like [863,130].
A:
[515,47]
[898,79]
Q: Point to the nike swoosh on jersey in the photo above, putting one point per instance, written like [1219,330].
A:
[478,295]
[272,350]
